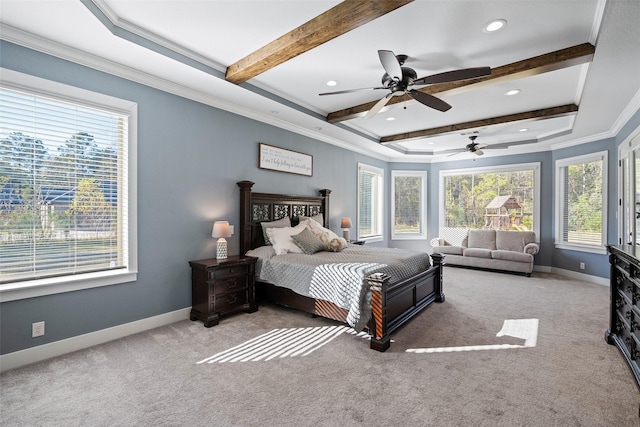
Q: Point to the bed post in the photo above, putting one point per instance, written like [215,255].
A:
[437,285]
[245,216]
[325,206]
[380,337]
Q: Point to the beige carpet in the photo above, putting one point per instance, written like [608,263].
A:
[312,376]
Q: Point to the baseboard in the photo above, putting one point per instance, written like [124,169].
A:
[58,348]
[579,276]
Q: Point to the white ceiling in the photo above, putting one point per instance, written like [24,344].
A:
[185,47]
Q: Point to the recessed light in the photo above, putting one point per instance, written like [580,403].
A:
[391,118]
[512,92]
[332,83]
[494,26]
[523,130]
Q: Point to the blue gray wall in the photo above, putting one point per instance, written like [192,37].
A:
[189,158]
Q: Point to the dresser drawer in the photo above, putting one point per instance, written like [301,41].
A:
[229,284]
[224,272]
[229,301]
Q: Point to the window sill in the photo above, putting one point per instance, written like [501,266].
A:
[582,248]
[371,239]
[408,237]
[56,285]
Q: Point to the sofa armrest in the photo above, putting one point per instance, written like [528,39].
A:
[437,241]
[531,248]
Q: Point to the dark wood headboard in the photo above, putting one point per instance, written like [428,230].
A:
[259,207]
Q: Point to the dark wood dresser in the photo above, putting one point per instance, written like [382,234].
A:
[222,287]
[624,311]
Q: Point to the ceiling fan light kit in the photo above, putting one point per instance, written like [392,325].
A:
[400,80]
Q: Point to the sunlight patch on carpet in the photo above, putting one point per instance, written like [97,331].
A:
[280,343]
[526,329]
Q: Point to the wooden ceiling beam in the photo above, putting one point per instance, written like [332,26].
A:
[564,58]
[545,113]
[335,22]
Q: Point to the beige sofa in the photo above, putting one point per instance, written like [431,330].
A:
[491,249]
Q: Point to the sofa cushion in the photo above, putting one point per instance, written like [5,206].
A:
[453,236]
[509,240]
[511,256]
[485,239]
[451,250]
[477,252]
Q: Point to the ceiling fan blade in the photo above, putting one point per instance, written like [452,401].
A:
[351,90]
[379,105]
[478,152]
[390,64]
[513,143]
[481,146]
[429,100]
[455,75]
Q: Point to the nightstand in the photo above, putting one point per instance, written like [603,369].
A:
[222,287]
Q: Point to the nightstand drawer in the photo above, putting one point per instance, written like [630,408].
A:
[233,283]
[224,272]
[229,301]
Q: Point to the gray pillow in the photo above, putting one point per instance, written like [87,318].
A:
[280,223]
[308,242]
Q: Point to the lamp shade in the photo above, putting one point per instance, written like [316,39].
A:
[221,229]
[345,223]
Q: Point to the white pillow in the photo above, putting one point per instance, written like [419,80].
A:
[281,239]
[317,228]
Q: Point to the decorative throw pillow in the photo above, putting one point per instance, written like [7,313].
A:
[282,222]
[336,245]
[281,239]
[308,242]
[317,218]
[318,229]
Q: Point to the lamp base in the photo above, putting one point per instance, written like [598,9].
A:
[345,234]
[221,248]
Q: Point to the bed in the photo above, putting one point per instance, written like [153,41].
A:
[389,295]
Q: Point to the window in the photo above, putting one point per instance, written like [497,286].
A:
[370,196]
[408,204]
[581,199]
[66,214]
[496,197]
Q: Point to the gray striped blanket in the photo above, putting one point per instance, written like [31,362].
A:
[343,285]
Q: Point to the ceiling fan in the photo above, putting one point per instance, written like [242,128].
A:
[400,80]
[476,148]
[472,147]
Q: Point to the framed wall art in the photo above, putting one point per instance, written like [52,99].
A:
[283,160]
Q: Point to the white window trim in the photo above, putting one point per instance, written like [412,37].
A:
[376,238]
[559,208]
[498,168]
[34,288]
[423,205]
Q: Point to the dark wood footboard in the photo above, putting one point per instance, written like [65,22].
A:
[394,305]
[391,305]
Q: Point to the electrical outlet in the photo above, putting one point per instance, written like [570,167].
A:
[37,329]
[582,266]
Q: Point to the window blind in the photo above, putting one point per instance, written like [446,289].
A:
[369,202]
[63,187]
[583,201]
